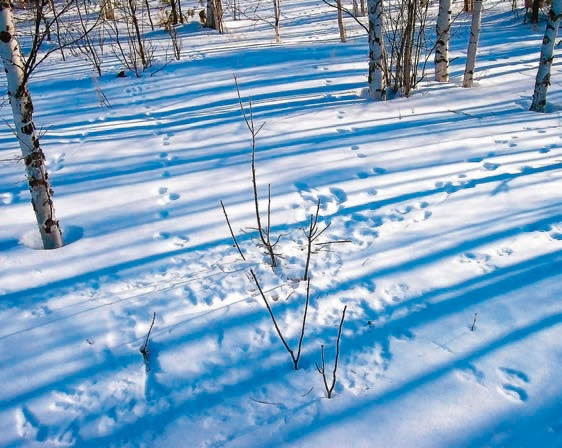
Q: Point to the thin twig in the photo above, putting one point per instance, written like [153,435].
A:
[303,321]
[348,12]
[294,358]
[144,347]
[322,369]
[263,233]
[266,402]
[474,322]
[337,351]
[232,233]
[277,329]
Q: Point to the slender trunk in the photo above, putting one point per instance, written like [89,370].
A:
[547,56]
[472,44]
[277,19]
[535,11]
[341,25]
[138,35]
[409,46]
[443,37]
[149,14]
[363,10]
[376,81]
[356,12]
[174,13]
[22,110]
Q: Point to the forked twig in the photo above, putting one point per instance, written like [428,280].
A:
[312,234]
[294,358]
[322,369]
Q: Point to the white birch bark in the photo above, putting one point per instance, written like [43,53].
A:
[473,44]
[214,15]
[547,56]
[443,33]
[341,26]
[22,110]
[277,19]
[377,54]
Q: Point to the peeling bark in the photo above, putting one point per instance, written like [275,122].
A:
[473,44]
[22,110]
[376,81]
[443,33]
[542,80]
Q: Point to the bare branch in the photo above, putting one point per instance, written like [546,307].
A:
[232,233]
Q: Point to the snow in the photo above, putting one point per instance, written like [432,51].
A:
[451,201]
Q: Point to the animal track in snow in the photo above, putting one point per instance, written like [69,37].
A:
[491,166]
[470,373]
[166,197]
[514,383]
[556,232]
[452,187]
[7,198]
[330,202]
[57,162]
[28,426]
[480,260]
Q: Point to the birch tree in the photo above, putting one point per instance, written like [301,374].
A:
[547,56]
[472,44]
[276,20]
[442,30]
[214,15]
[341,26]
[377,57]
[24,128]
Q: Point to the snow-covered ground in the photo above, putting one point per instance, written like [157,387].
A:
[451,201]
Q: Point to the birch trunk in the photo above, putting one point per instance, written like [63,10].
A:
[472,44]
[214,15]
[341,25]
[356,12]
[277,18]
[376,80]
[22,110]
[547,56]
[107,9]
[443,33]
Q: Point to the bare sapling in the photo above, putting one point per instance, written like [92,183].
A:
[322,367]
[264,230]
[294,357]
[174,39]
[145,352]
